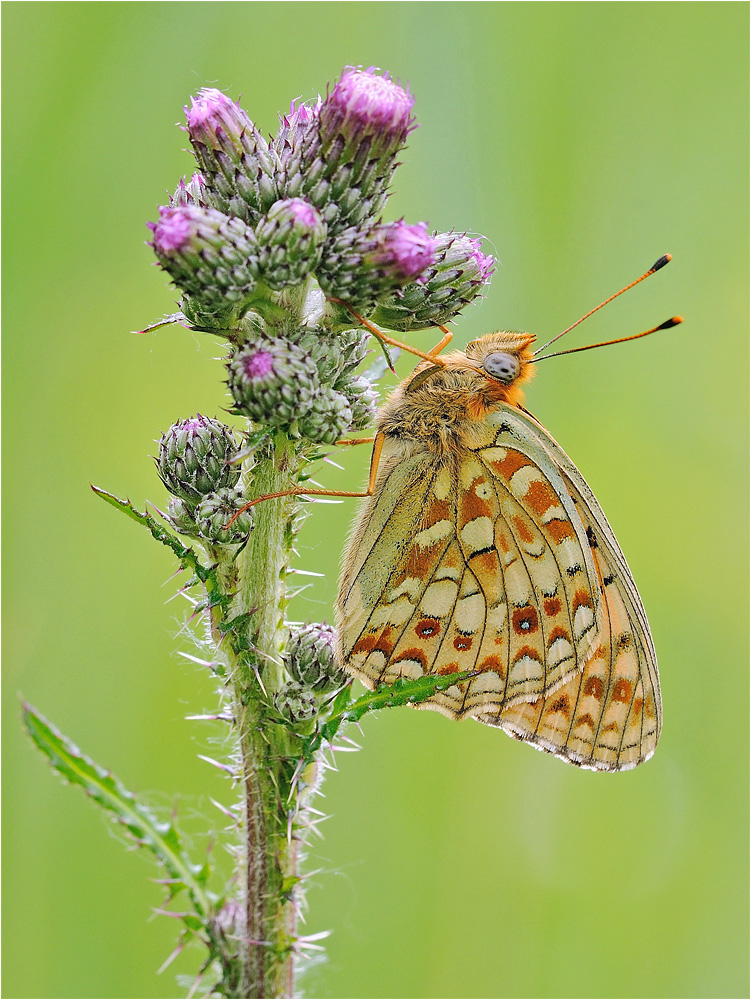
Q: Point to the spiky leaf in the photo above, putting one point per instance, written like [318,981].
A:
[162,839]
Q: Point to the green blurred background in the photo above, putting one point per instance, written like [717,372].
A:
[584,140]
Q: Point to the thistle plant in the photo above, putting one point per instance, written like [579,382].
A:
[277,248]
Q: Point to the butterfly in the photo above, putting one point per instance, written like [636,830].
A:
[481,548]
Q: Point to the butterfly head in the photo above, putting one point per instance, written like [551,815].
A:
[499,364]
[503,357]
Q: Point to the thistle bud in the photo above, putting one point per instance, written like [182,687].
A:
[290,240]
[192,192]
[180,514]
[295,703]
[193,458]
[459,274]
[214,512]
[334,354]
[272,381]
[232,154]
[362,125]
[366,116]
[362,399]
[294,145]
[309,658]
[362,267]
[328,416]
[210,257]
[352,346]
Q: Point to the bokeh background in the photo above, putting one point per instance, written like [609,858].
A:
[584,140]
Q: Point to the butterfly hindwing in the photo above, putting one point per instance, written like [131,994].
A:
[608,717]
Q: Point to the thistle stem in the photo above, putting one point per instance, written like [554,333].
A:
[267,752]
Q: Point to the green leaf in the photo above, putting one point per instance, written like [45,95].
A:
[402,692]
[341,700]
[389,358]
[188,557]
[378,369]
[122,806]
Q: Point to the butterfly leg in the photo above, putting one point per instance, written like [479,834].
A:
[446,339]
[301,491]
[356,441]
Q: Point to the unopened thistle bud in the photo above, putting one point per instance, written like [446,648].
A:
[328,417]
[194,458]
[192,192]
[362,267]
[323,347]
[294,145]
[309,658]
[362,398]
[214,513]
[290,240]
[233,156]
[210,257]
[459,274]
[353,346]
[334,354]
[180,513]
[272,381]
[295,703]
[362,125]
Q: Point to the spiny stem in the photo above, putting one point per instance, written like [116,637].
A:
[269,863]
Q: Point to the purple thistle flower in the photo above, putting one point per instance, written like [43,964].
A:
[211,113]
[194,457]
[192,425]
[310,660]
[485,263]
[174,231]
[257,364]
[455,278]
[272,381]
[303,212]
[290,242]
[294,146]
[363,105]
[362,267]
[233,156]
[300,114]
[342,158]
[210,257]
[403,251]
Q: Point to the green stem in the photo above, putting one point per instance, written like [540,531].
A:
[267,756]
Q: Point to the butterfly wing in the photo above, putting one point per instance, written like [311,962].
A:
[499,559]
[609,716]
[474,561]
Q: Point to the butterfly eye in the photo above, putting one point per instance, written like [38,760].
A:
[504,367]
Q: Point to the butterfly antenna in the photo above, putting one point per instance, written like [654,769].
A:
[673,321]
[385,339]
[666,258]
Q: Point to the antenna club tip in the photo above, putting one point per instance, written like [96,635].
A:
[665,259]
[673,321]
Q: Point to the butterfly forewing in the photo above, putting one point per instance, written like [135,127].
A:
[497,558]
